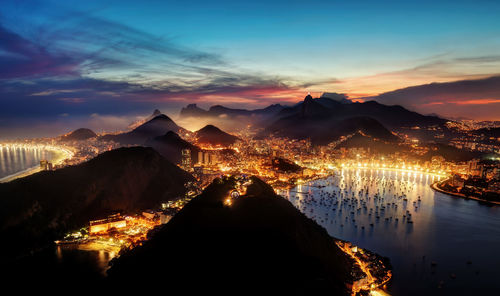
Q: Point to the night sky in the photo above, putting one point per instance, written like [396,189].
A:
[104,63]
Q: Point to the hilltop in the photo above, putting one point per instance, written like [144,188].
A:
[155,127]
[39,208]
[214,136]
[171,145]
[323,130]
[79,134]
[259,242]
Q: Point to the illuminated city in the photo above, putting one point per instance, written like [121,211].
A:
[293,148]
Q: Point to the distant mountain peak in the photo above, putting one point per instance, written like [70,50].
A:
[157,126]
[161,117]
[210,127]
[341,98]
[310,107]
[79,134]
[192,110]
[156,112]
[213,135]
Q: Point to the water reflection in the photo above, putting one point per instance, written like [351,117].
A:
[17,159]
[398,215]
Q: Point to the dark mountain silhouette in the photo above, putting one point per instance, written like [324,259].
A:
[155,127]
[156,112]
[79,134]
[171,145]
[285,165]
[214,136]
[493,132]
[40,208]
[455,91]
[451,153]
[359,140]
[260,242]
[341,98]
[390,116]
[312,124]
[192,110]
[137,123]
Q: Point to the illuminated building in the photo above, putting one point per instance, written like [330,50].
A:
[103,225]
[186,159]
[166,215]
[149,214]
[200,157]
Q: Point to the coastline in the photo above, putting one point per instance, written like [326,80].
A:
[21,174]
[373,284]
[57,159]
[435,187]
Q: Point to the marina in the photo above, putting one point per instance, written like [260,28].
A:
[437,244]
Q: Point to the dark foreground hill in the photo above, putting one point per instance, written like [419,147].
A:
[155,127]
[214,136]
[258,244]
[171,145]
[79,134]
[38,209]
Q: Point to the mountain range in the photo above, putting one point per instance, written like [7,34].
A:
[157,126]
[313,119]
[390,116]
[192,110]
[322,120]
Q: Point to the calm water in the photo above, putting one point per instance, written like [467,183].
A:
[60,268]
[461,236]
[15,160]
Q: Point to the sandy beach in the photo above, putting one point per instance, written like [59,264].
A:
[57,159]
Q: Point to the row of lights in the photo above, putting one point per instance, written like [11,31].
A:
[410,168]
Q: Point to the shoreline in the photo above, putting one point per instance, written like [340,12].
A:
[57,159]
[435,187]
[359,286]
[21,174]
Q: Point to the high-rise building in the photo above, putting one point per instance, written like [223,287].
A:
[213,159]
[200,157]
[186,159]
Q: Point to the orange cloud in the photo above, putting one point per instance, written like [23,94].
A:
[477,102]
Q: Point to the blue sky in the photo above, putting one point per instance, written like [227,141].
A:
[81,58]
